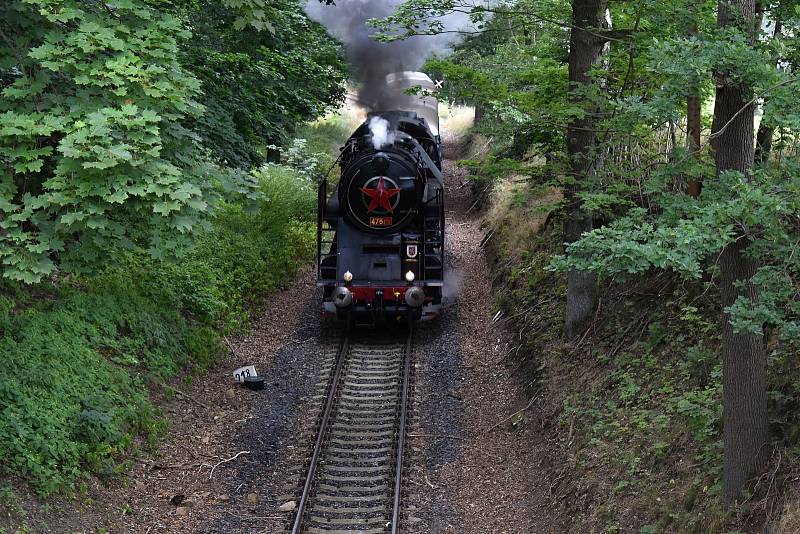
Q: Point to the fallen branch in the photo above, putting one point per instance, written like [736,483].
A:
[513,414]
[486,239]
[230,347]
[182,467]
[232,458]
[486,145]
[480,197]
[624,335]
[575,348]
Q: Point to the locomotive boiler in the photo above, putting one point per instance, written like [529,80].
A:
[380,232]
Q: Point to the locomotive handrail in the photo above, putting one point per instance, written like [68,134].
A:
[322,196]
[441,227]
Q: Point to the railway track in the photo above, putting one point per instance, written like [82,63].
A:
[353,480]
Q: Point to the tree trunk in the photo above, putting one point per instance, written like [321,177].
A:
[765,132]
[693,130]
[479,113]
[763,142]
[584,51]
[693,186]
[744,362]
[743,354]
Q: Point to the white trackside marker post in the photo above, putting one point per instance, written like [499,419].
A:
[242,372]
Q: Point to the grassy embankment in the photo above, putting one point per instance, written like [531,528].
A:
[81,355]
[634,408]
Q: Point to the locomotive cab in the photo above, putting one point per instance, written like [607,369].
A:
[380,232]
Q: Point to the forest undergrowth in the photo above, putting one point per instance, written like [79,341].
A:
[157,183]
[632,408]
[84,354]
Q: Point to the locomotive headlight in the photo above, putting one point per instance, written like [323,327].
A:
[348,276]
[410,276]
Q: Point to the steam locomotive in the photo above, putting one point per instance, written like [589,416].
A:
[380,232]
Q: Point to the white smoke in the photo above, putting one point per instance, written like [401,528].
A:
[381,134]
[452,287]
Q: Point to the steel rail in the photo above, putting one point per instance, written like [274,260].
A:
[326,414]
[401,438]
[338,377]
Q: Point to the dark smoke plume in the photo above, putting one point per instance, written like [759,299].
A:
[370,61]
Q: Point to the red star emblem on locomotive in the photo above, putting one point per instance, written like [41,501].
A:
[380,196]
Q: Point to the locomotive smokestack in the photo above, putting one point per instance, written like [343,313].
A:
[370,60]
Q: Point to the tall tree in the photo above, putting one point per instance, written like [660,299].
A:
[585,47]
[693,129]
[743,353]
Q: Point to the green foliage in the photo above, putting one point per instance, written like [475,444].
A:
[69,401]
[490,169]
[686,231]
[247,253]
[317,143]
[92,154]
[104,146]
[520,86]
[133,232]
[531,269]
[650,403]
[78,356]
[658,227]
[259,80]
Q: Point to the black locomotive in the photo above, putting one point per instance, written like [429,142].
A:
[380,233]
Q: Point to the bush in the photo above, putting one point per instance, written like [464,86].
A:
[246,254]
[71,396]
[77,356]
